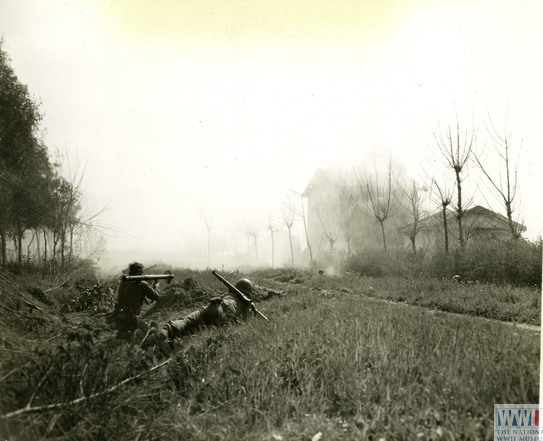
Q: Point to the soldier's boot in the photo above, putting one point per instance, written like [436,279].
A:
[123,335]
[143,327]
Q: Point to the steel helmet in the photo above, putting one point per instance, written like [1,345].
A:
[245,286]
[135,269]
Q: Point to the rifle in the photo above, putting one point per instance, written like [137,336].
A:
[167,275]
[246,301]
[126,270]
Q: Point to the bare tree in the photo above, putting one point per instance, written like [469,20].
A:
[347,199]
[300,212]
[327,214]
[441,193]
[88,233]
[272,227]
[287,215]
[445,199]
[505,183]
[70,221]
[208,225]
[415,201]
[380,198]
[455,148]
[69,194]
[252,231]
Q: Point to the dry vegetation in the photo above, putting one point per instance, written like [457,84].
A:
[335,360]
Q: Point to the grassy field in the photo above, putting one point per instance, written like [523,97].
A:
[331,361]
[505,303]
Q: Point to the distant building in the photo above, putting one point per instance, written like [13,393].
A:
[337,214]
[479,223]
[339,219]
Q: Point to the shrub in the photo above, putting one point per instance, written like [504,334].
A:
[90,295]
[440,265]
[376,263]
[513,262]
[516,262]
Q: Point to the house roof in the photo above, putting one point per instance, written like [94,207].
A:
[318,176]
[495,220]
[481,218]
[325,177]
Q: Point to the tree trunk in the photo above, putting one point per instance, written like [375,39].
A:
[44,251]
[306,235]
[38,247]
[291,248]
[54,254]
[413,236]
[445,229]
[384,235]
[71,252]
[273,250]
[4,246]
[30,246]
[19,243]
[460,211]
[514,232]
[62,249]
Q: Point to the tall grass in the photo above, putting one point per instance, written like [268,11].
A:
[328,362]
[350,367]
[500,302]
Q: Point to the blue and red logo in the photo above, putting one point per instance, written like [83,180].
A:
[516,417]
[517,422]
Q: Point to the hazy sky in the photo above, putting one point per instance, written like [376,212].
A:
[182,110]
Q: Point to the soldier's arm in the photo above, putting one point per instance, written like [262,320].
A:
[150,293]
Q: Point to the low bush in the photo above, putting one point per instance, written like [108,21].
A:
[514,262]
[377,263]
[89,295]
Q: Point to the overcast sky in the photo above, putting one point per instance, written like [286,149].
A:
[182,110]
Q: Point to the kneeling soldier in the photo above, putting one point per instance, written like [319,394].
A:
[132,294]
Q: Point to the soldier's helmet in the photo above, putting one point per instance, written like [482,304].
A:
[135,269]
[245,286]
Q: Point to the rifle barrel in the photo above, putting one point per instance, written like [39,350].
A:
[247,301]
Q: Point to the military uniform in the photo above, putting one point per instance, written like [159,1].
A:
[132,294]
[219,312]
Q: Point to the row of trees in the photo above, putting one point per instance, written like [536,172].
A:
[360,208]
[379,206]
[37,202]
[390,202]
[496,158]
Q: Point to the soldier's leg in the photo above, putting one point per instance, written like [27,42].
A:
[205,316]
[177,328]
[126,325]
[211,315]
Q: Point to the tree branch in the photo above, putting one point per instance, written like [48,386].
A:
[53,406]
